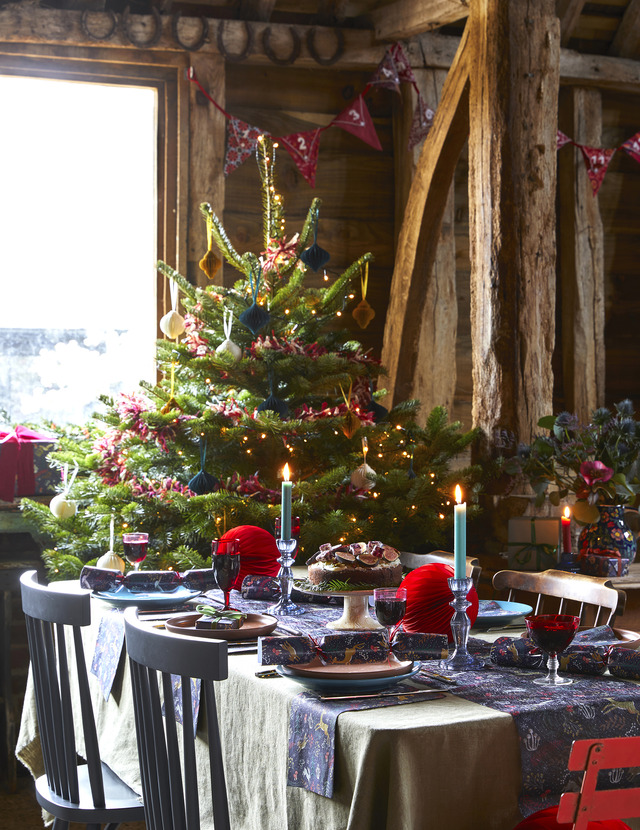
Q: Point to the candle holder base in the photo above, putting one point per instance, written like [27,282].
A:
[285,607]
[460,659]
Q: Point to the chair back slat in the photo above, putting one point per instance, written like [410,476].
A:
[171,785]
[411,561]
[88,723]
[66,734]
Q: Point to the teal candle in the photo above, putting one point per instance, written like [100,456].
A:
[459,537]
[285,511]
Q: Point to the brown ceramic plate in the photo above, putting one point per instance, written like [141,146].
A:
[256,625]
[353,671]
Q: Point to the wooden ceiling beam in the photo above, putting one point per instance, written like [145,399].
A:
[626,43]
[407,18]
[568,12]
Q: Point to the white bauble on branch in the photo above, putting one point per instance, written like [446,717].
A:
[62,506]
[111,561]
[172,324]
[227,344]
[364,477]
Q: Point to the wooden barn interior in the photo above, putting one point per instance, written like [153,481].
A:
[504,287]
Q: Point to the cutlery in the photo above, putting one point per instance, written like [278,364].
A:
[264,675]
[244,650]
[521,626]
[435,676]
[382,694]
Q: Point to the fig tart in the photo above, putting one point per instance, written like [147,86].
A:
[361,565]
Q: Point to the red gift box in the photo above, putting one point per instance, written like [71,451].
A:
[24,468]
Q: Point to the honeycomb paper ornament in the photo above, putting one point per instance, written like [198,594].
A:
[227,344]
[210,264]
[351,424]
[172,324]
[63,507]
[364,477]
[363,314]
[111,561]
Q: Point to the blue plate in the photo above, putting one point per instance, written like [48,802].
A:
[362,684]
[147,599]
[503,614]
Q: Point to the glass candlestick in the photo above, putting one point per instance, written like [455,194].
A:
[284,607]
[460,659]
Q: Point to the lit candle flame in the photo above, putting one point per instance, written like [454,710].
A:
[567,513]
[285,472]
[458,493]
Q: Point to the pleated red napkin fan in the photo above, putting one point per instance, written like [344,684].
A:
[258,551]
[428,598]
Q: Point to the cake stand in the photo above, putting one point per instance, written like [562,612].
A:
[355,613]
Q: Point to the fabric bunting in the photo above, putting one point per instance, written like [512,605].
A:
[241,143]
[403,67]
[562,139]
[597,161]
[386,75]
[422,122]
[632,147]
[303,149]
[356,119]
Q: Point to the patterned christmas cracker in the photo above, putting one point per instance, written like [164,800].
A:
[103,579]
[624,662]
[587,658]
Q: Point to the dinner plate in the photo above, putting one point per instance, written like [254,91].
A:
[256,625]
[147,599]
[505,613]
[357,681]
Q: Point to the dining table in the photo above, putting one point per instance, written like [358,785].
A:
[443,760]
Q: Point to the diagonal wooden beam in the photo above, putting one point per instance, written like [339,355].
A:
[626,43]
[418,240]
[406,18]
[568,12]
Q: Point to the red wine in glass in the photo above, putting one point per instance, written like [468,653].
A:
[135,548]
[225,558]
[552,633]
[390,606]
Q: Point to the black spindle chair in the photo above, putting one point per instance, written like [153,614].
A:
[171,791]
[71,790]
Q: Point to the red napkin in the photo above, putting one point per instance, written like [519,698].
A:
[546,820]
[258,551]
[428,598]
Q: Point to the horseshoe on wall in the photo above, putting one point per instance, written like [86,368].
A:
[150,41]
[84,25]
[198,44]
[311,46]
[247,49]
[295,47]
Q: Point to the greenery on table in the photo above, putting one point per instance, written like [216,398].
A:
[301,393]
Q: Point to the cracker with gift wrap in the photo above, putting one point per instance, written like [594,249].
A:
[533,543]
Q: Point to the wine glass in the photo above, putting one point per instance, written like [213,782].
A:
[225,558]
[390,606]
[135,548]
[552,633]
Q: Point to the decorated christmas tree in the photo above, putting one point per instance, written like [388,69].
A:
[256,376]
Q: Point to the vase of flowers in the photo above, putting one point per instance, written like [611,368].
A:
[594,465]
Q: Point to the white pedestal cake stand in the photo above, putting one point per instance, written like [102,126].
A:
[355,613]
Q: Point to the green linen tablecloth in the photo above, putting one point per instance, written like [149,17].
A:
[442,764]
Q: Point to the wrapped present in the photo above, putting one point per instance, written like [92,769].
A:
[533,543]
[103,579]
[219,618]
[24,464]
[349,648]
[605,563]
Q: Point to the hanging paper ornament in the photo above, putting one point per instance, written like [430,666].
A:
[172,403]
[379,412]
[255,317]
[351,423]
[172,324]
[315,256]
[227,344]
[210,263]
[364,477]
[273,403]
[110,560]
[203,482]
[363,314]
[61,505]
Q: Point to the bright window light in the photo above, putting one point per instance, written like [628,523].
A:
[77,257]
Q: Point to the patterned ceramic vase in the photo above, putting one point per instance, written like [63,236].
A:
[609,533]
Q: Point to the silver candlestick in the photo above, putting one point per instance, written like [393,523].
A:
[460,659]
[284,607]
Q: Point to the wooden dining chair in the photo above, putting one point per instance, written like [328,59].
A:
[411,561]
[171,790]
[592,598]
[88,793]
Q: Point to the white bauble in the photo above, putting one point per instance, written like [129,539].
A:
[229,346]
[63,507]
[111,561]
[172,324]
[364,477]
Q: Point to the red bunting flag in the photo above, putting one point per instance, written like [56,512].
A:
[562,139]
[241,143]
[422,122]
[597,161]
[356,119]
[632,146]
[303,149]
[405,72]
[386,75]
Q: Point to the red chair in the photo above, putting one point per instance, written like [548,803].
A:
[593,809]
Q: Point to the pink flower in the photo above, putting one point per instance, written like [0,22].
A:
[595,472]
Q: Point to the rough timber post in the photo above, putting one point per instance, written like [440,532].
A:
[515,49]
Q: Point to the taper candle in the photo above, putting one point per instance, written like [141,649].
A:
[566,530]
[111,527]
[285,512]
[459,536]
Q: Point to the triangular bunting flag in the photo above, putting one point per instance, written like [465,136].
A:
[386,75]
[241,143]
[632,146]
[422,122]
[597,161]
[562,139]
[303,149]
[403,67]
[356,119]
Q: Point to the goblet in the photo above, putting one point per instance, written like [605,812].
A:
[390,607]
[552,633]
[225,558]
[135,548]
